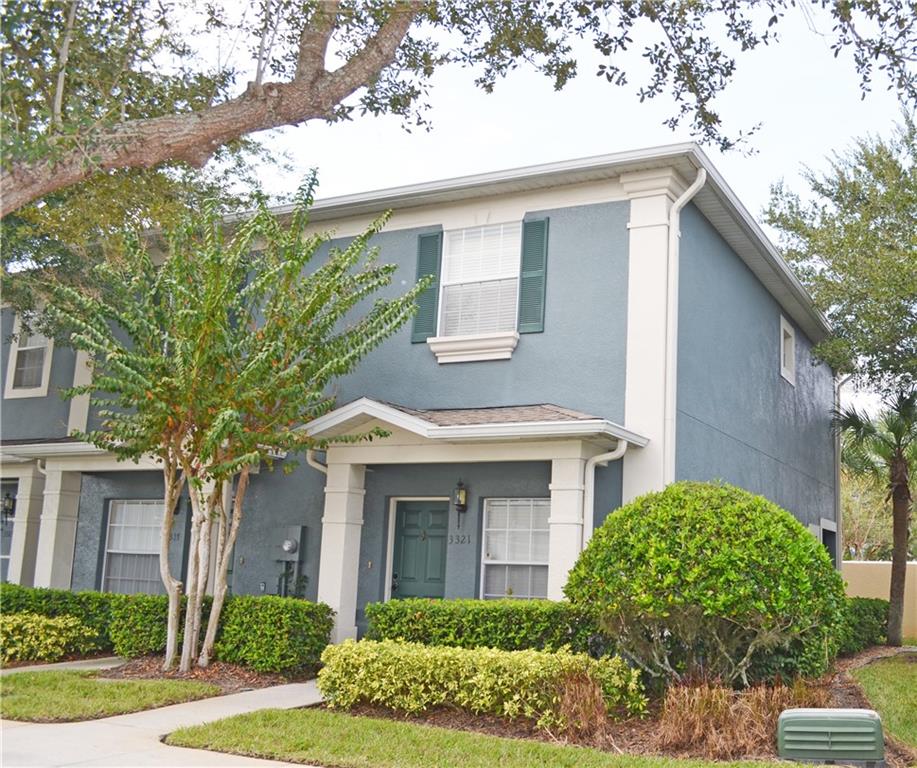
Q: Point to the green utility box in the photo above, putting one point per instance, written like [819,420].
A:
[830,735]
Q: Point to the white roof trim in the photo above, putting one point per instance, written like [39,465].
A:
[716,200]
[371,409]
[39,450]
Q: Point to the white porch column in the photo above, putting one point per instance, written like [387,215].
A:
[566,522]
[29,498]
[651,196]
[339,563]
[57,533]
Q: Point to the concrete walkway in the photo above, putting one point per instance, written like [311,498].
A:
[134,740]
[103,662]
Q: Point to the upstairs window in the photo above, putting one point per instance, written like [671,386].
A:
[480,280]
[787,351]
[29,364]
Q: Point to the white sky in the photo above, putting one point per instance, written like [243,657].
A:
[808,102]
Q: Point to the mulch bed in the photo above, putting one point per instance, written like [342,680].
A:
[638,737]
[229,678]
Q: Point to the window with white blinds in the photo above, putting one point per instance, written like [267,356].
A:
[515,557]
[29,363]
[480,279]
[132,547]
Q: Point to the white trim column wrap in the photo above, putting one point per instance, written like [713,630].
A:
[565,523]
[57,533]
[24,546]
[339,562]
[652,194]
[78,418]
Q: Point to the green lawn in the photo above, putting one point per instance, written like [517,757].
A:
[63,696]
[320,737]
[891,687]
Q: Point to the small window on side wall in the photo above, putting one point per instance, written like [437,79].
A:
[29,365]
[787,351]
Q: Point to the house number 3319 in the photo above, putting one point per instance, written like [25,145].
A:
[460,538]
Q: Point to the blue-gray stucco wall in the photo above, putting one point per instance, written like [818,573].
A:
[96,491]
[738,419]
[35,417]
[578,361]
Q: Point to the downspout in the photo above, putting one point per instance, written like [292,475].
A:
[315,463]
[839,535]
[671,328]
[589,486]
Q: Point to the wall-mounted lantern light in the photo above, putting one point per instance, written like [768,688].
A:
[460,497]
[9,507]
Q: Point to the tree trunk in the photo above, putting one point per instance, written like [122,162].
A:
[172,585]
[901,507]
[227,540]
[188,651]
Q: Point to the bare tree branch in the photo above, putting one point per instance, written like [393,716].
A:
[63,57]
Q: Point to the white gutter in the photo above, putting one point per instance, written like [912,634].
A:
[671,330]
[315,463]
[589,486]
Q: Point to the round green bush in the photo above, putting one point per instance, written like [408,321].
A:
[710,581]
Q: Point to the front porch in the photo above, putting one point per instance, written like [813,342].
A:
[538,459]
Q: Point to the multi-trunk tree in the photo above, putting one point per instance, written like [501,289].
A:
[210,354]
[95,86]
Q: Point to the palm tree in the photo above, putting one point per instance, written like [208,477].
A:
[887,447]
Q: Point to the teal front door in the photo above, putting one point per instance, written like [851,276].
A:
[419,563]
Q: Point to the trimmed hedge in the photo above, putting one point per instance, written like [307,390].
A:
[32,637]
[865,624]
[92,608]
[409,677]
[138,623]
[509,625]
[274,634]
[270,634]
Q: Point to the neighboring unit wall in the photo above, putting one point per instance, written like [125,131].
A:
[36,417]
[873,579]
[738,419]
[96,492]
[578,361]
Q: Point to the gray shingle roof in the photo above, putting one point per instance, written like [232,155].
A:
[506,414]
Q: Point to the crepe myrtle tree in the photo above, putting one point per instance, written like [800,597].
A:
[213,360]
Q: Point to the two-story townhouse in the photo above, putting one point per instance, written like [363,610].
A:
[597,329]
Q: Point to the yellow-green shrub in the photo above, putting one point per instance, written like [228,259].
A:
[32,637]
[412,678]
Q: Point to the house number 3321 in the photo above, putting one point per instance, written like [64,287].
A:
[460,538]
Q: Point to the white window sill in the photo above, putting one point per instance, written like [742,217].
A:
[466,349]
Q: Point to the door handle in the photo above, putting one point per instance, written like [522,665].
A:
[394,582]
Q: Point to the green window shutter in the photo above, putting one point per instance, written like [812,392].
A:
[429,250]
[533,275]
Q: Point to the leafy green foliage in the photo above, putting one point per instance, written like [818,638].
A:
[112,84]
[138,623]
[93,609]
[274,634]
[32,637]
[710,581]
[865,624]
[409,677]
[510,625]
[853,247]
